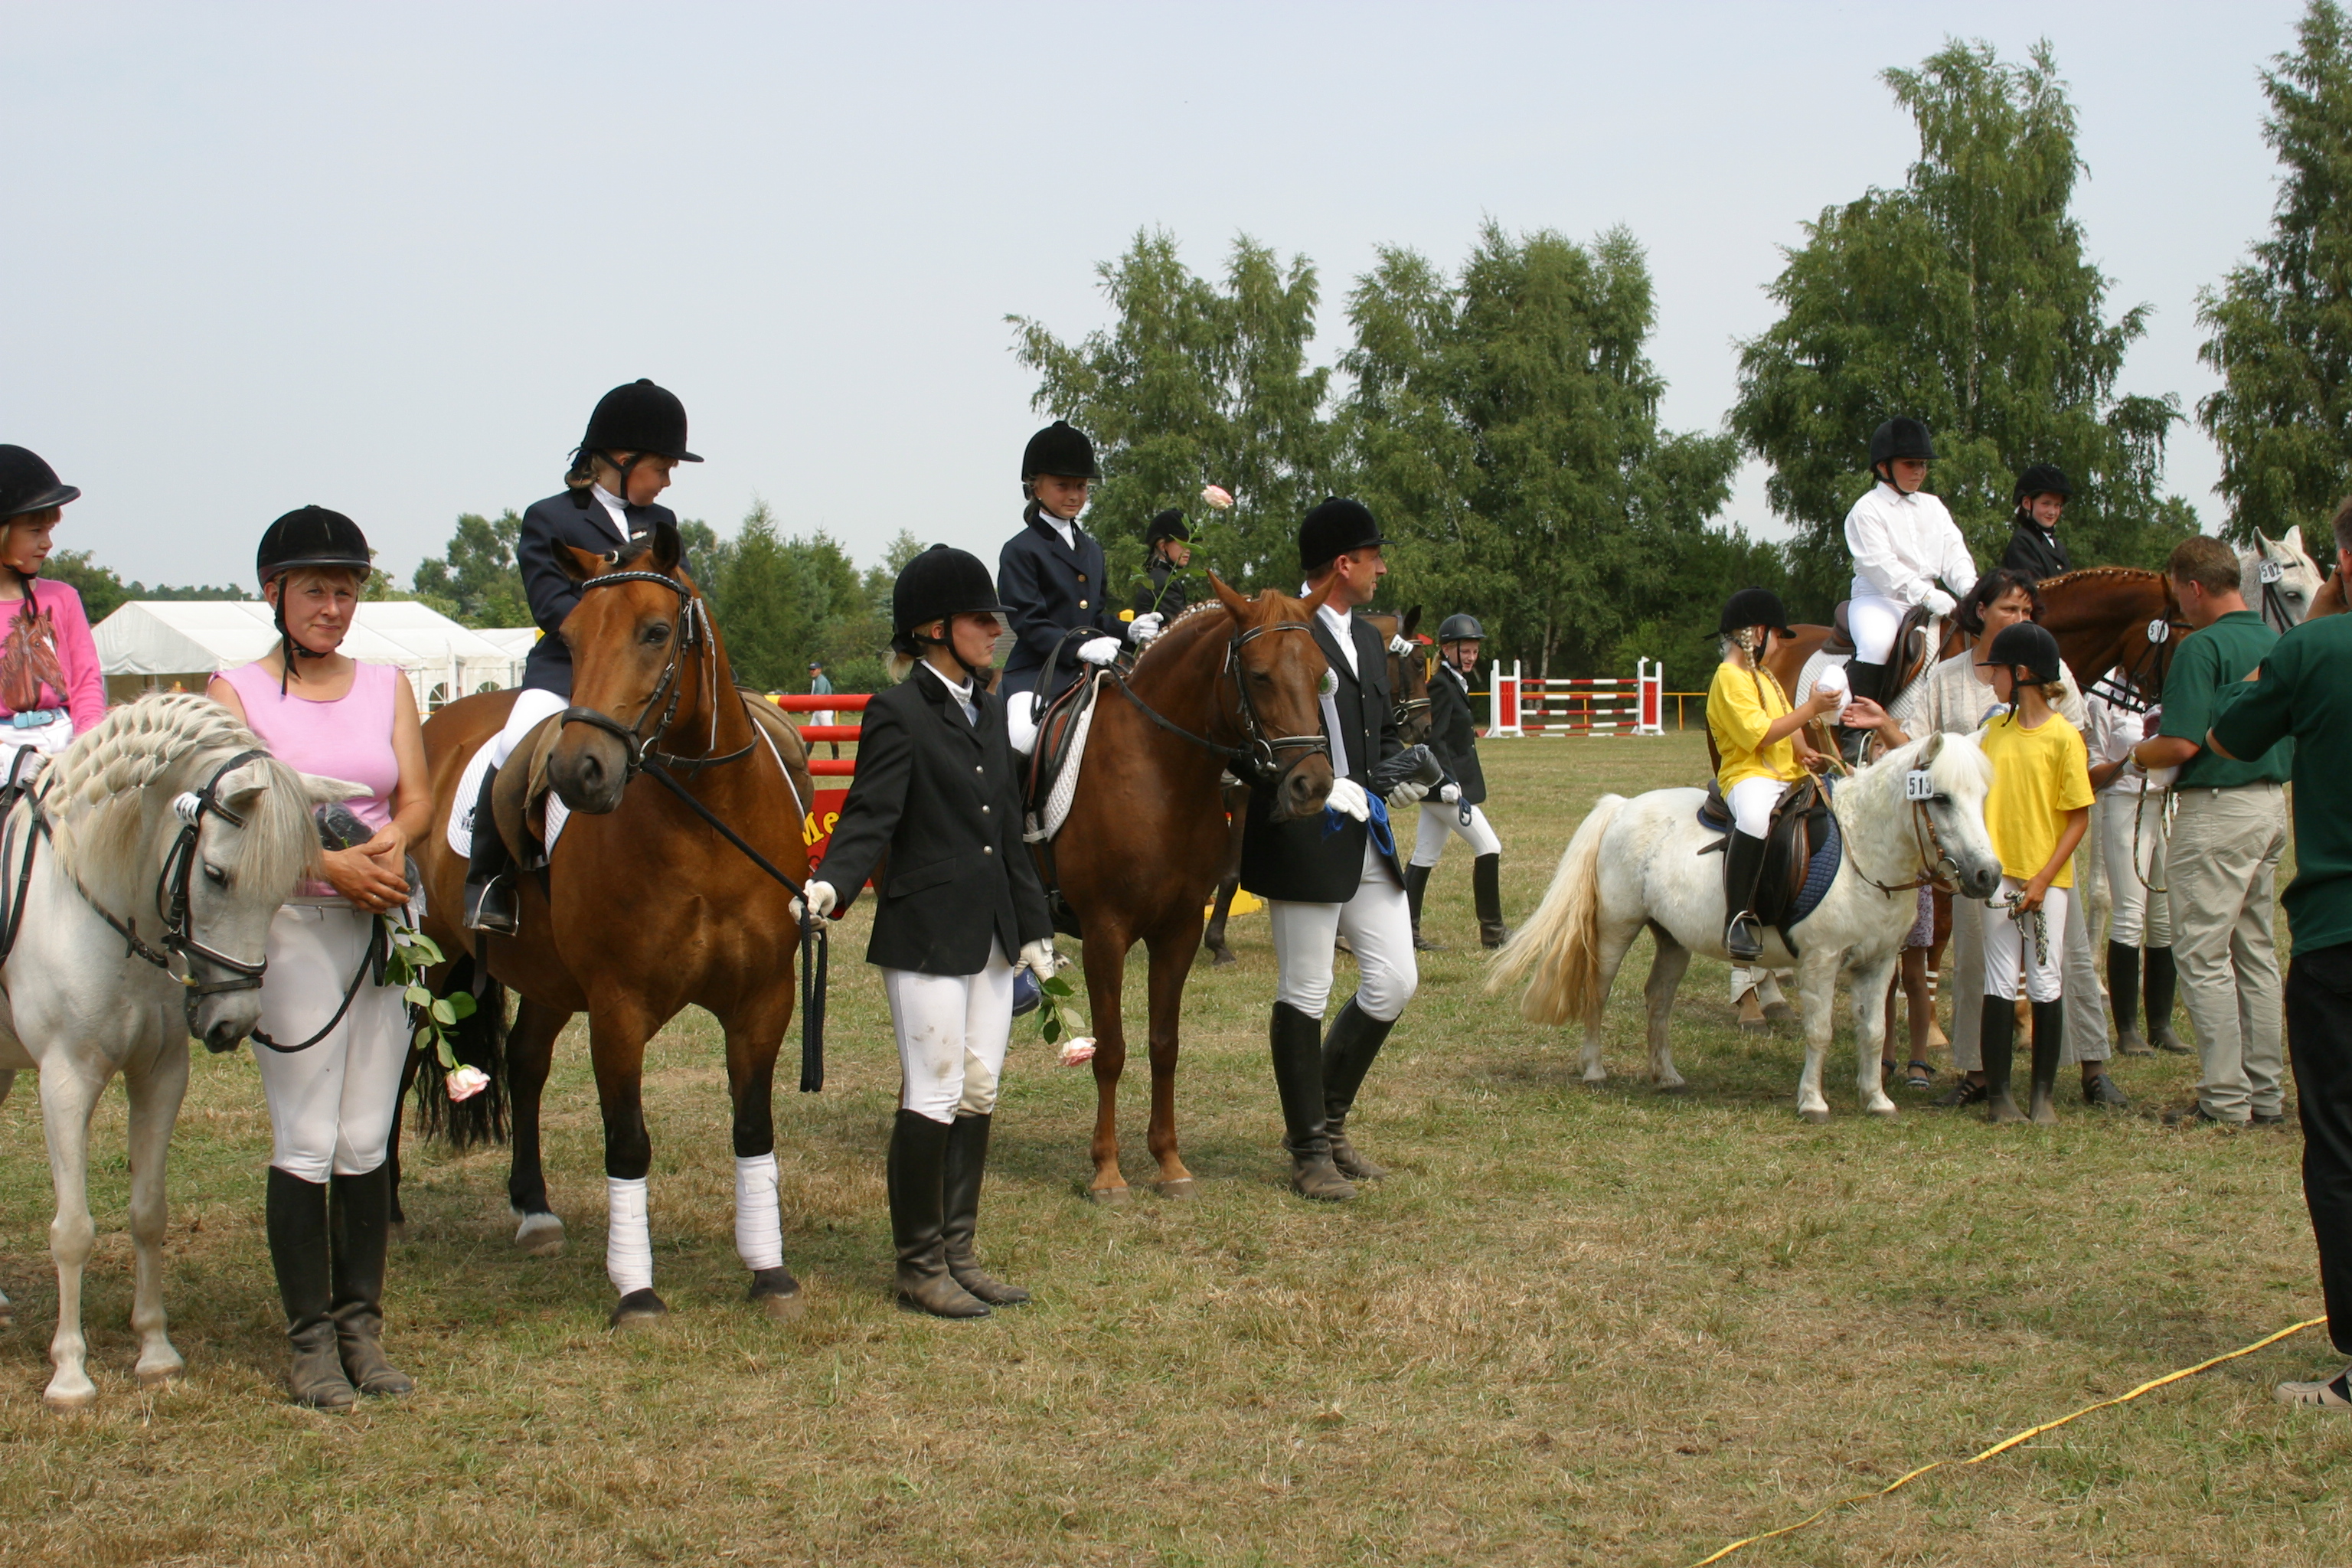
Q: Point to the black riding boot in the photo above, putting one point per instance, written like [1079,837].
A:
[359,1214]
[1297,1042]
[918,1181]
[1998,1037]
[2049,1038]
[967,1158]
[490,877]
[1862,680]
[1416,882]
[1356,1037]
[1743,867]
[296,1212]
[1486,888]
[2162,980]
[2123,998]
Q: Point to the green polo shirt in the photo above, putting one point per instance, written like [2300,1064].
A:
[2304,691]
[2210,662]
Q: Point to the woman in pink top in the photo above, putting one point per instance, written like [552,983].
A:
[333,1103]
[50,686]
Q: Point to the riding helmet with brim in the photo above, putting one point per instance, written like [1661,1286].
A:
[941,582]
[1899,438]
[1461,628]
[311,536]
[1166,525]
[28,484]
[1749,607]
[2028,647]
[2041,479]
[639,418]
[1062,450]
[1333,529]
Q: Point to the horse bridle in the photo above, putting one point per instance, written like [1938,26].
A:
[1938,870]
[691,631]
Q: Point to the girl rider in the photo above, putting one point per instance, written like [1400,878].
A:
[1163,591]
[1902,540]
[1761,739]
[2034,547]
[1454,737]
[51,688]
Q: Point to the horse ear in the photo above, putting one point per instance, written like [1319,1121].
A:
[243,782]
[1935,744]
[1411,623]
[1235,606]
[2293,539]
[1315,599]
[322,791]
[579,566]
[666,548]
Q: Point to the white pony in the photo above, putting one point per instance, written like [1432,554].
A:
[2298,582]
[1637,863]
[167,829]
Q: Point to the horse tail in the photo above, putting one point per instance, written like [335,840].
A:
[477,1040]
[1556,953]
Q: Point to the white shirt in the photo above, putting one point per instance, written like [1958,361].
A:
[614,509]
[1066,527]
[2114,731]
[1342,627]
[962,694]
[1902,544]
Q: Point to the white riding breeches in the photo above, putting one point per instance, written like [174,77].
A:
[1874,623]
[2140,918]
[1377,925]
[2034,941]
[530,706]
[332,1106]
[1751,802]
[1440,822]
[953,1031]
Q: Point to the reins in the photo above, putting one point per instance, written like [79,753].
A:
[1260,753]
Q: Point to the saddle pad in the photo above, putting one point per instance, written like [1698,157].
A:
[459,832]
[1820,872]
[1043,825]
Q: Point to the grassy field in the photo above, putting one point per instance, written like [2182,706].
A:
[1579,1326]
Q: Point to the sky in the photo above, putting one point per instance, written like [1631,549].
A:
[386,258]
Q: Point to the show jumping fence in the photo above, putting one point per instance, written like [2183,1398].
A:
[1581,705]
[816,829]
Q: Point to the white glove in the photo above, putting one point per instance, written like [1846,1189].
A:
[1037,958]
[820,897]
[1144,628]
[1347,798]
[1400,647]
[1450,793]
[1407,794]
[1098,650]
[1939,603]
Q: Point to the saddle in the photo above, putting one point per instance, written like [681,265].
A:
[519,799]
[1057,735]
[1913,649]
[1803,832]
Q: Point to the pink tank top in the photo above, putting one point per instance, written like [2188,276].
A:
[350,738]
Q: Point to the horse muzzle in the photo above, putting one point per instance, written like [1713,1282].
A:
[590,768]
[1301,790]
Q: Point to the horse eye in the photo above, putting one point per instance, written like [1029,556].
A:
[214,875]
[656,634]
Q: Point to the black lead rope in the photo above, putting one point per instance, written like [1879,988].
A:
[379,945]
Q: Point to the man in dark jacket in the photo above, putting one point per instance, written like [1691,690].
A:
[1165,591]
[1455,738]
[1051,575]
[1336,873]
[2033,545]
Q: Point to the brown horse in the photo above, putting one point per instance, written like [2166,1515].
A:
[1137,857]
[644,908]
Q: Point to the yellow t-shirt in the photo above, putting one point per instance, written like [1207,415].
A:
[2038,776]
[1737,715]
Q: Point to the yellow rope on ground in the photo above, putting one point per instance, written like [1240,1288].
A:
[2007,1443]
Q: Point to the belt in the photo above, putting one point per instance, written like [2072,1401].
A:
[35,718]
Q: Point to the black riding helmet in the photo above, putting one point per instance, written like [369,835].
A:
[639,418]
[1333,529]
[2041,479]
[1461,628]
[1897,438]
[941,582]
[1166,525]
[2028,651]
[1062,450]
[28,484]
[1752,608]
[308,536]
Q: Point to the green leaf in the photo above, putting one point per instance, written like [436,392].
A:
[461,1005]
[444,1013]
[418,996]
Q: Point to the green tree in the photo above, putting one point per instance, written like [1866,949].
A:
[2282,324]
[1198,384]
[475,582]
[1503,428]
[783,602]
[103,591]
[1962,299]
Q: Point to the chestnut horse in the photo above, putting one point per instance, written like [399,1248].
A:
[644,908]
[1138,855]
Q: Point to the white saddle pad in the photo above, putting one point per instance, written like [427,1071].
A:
[1066,784]
[460,831]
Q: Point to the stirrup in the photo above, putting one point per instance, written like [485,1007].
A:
[490,907]
[1743,937]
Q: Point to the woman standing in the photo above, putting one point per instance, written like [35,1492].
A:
[51,688]
[1759,737]
[333,1101]
[1454,736]
[936,790]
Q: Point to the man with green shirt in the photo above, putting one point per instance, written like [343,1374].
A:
[2226,837]
[2304,689]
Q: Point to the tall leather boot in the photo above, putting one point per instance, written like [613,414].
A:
[296,1212]
[1862,680]
[918,1181]
[1416,882]
[2049,1038]
[490,875]
[1486,888]
[2163,980]
[967,1158]
[359,1219]
[1743,867]
[1298,1041]
[1356,1037]
[2122,999]
[1998,1037]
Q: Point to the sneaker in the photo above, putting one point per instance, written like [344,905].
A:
[2102,1091]
[2332,1393]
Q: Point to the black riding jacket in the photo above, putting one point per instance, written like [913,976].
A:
[1452,733]
[1051,588]
[578,519]
[1299,861]
[2035,551]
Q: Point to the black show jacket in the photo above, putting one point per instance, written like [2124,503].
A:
[1452,734]
[578,519]
[942,798]
[2034,550]
[1051,588]
[1298,862]
[1163,589]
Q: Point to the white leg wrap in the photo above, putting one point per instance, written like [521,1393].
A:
[759,1226]
[628,1243]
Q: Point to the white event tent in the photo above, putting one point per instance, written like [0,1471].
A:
[154,645]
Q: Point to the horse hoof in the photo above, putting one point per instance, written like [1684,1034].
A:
[157,1376]
[1818,1117]
[777,1294]
[1181,1187]
[1780,1013]
[539,1235]
[396,1231]
[1596,1076]
[1114,1197]
[1677,1087]
[637,1307]
[1887,1112]
[65,1401]
[1223,960]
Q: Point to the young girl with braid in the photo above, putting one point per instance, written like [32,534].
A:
[1759,739]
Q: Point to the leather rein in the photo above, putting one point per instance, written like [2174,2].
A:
[1259,752]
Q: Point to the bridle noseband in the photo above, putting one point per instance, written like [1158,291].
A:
[1260,752]
[1938,870]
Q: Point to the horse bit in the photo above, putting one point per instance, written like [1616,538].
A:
[1260,753]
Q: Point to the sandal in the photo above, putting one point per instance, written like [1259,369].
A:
[2335,1394]
[1922,1076]
[1961,1093]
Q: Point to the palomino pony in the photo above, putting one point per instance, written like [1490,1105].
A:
[1138,854]
[645,908]
[164,834]
[1637,863]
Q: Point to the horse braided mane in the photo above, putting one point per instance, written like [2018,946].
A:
[2096,572]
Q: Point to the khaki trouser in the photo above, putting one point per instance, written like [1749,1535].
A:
[2223,865]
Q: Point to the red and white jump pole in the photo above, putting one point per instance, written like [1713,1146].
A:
[1579,705]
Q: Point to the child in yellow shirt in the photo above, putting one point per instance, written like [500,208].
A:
[2040,805]
[1760,738]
